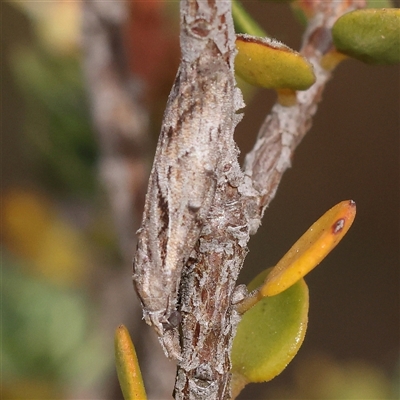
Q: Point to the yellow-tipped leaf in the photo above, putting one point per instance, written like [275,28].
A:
[311,248]
[270,64]
[128,370]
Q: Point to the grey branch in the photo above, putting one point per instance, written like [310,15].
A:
[195,151]
[193,239]
[208,283]
[284,127]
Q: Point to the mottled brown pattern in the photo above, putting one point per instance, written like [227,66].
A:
[213,205]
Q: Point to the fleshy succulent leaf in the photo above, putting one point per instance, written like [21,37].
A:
[270,64]
[269,335]
[369,35]
[311,248]
[128,370]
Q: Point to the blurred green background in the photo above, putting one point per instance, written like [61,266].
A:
[59,246]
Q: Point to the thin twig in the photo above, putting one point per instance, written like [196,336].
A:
[285,127]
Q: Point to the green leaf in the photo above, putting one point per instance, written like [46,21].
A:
[369,35]
[244,23]
[128,370]
[270,64]
[269,335]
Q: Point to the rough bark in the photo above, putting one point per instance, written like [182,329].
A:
[206,285]
[209,319]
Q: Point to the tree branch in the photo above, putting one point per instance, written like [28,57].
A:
[208,281]
[206,287]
